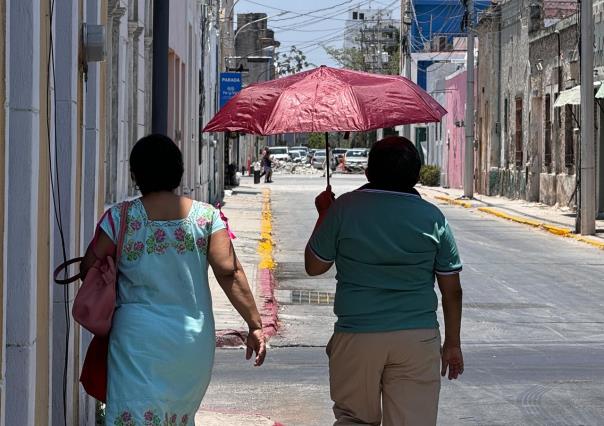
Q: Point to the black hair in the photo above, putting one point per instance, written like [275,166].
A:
[156,164]
[394,162]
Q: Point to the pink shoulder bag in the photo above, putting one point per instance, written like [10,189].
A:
[95,301]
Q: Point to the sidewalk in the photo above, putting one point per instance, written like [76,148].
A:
[558,221]
[248,211]
[211,418]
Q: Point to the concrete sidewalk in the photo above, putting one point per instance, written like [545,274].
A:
[248,211]
[558,221]
[212,418]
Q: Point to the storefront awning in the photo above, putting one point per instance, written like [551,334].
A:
[573,96]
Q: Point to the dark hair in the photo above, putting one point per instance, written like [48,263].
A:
[156,164]
[394,162]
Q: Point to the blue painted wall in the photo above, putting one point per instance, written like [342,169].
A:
[437,17]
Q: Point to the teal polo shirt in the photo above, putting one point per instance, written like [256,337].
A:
[387,247]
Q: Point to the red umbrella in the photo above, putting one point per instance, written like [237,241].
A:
[326,100]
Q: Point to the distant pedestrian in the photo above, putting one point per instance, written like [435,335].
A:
[267,166]
[388,245]
[162,341]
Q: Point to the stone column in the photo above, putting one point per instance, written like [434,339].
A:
[117,40]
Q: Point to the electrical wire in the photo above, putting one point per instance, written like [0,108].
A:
[56,188]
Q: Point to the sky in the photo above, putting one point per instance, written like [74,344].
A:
[309,23]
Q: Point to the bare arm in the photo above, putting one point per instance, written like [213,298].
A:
[232,280]
[102,249]
[313,265]
[450,288]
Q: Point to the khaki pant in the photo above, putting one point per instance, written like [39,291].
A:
[397,372]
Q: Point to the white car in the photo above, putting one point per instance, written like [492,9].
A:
[296,156]
[279,153]
[356,159]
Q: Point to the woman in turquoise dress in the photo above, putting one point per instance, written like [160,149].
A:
[162,342]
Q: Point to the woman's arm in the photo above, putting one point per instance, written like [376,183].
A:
[101,249]
[232,279]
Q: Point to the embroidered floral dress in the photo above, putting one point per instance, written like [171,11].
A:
[161,348]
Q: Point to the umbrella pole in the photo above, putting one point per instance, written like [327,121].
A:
[327,162]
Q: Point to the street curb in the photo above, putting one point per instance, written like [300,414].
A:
[552,229]
[266,268]
[465,204]
[267,283]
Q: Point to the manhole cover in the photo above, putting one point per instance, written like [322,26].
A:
[305,297]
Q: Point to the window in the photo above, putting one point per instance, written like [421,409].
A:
[361,16]
[519,153]
[569,137]
[547,143]
[355,15]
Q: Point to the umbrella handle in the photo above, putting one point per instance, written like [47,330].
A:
[327,162]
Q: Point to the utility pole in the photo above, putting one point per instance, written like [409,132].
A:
[405,51]
[468,175]
[587,187]
[159,95]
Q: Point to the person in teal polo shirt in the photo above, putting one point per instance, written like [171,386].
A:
[388,245]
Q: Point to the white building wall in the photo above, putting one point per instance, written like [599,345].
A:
[22,159]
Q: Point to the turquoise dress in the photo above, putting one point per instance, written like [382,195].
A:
[161,347]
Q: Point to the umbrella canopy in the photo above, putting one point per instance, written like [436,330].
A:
[326,100]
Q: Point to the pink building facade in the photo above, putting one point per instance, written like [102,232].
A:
[455,103]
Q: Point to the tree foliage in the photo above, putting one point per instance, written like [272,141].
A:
[354,58]
[292,62]
[316,140]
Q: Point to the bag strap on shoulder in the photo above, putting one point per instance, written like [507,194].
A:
[120,242]
[123,227]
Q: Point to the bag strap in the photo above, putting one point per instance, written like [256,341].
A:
[123,226]
[63,266]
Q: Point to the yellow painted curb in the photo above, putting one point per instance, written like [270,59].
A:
[266,244]
[503,215]
[587,240]
[552,229]
[450,200]
[565,232]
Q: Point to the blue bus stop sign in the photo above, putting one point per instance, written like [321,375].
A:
[230,85]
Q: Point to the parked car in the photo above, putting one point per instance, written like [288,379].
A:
[318,159]
[309,155]
[279,153]
[297,156]
[356,159]
[303,149]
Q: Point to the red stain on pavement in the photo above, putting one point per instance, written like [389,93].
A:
[269,309]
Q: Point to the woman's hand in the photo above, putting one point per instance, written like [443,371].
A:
[256,343]
[453,359]
[324,200]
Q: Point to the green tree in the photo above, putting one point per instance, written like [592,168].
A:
[354,58]
[351,58]
[292,62]
[316,140]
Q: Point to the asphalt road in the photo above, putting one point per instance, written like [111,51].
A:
[532,327]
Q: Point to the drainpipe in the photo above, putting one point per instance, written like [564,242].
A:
[501,123]
[159,94]
[557,32]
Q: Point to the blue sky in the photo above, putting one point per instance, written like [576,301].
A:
[310,23]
